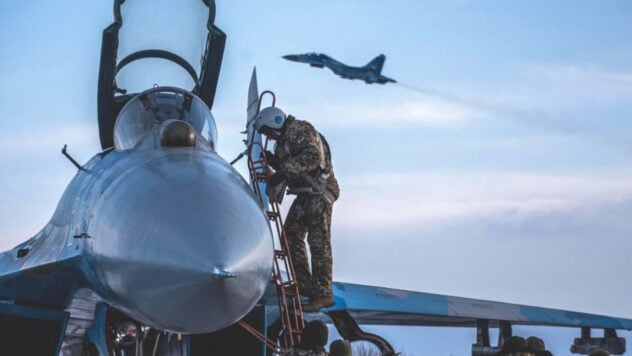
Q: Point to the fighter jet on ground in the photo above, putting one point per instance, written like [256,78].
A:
[371,73]
[159,247]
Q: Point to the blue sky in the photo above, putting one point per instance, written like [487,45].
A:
[498,167]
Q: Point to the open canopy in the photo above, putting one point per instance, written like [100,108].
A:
[183,49]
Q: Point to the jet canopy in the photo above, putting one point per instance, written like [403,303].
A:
[150,109]
[157,34]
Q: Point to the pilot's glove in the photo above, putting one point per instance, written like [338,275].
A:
[276,179]
[273,161]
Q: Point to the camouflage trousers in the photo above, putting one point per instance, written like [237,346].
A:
[311,215]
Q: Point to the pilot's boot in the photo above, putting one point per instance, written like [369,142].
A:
[318,303]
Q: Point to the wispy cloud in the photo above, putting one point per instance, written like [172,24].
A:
[572,87]
[537,87]
[384,200]
[585,74]
[581,101]
[398,114]
[541,90]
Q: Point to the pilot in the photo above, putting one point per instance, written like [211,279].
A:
[302,160]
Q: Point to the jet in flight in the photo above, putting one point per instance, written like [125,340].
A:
[371,73]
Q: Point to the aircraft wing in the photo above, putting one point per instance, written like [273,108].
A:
[385,306]
[369,305]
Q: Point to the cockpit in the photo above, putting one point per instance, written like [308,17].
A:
[174,116]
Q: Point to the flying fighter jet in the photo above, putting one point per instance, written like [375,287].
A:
[371,73]
[159,247]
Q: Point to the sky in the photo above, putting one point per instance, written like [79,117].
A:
[498,167]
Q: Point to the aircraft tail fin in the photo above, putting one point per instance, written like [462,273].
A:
[377,63]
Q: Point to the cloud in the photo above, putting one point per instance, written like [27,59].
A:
[424,200]
[565,73]
[490,235]
[564,89]
[389,114]
[582,101]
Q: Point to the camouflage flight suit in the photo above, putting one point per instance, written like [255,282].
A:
[304,158]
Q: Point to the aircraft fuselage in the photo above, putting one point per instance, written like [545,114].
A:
[171,236]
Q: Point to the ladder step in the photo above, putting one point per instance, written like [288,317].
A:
[286,286]
[289,287]
[289,290]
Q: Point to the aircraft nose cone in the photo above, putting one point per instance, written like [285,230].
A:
[291,57]
[183,244]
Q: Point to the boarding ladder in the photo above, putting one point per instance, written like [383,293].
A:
[283,276]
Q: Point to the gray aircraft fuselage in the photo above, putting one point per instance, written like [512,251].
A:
[171,236]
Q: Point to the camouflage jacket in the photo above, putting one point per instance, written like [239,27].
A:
[296,352]
[301,151]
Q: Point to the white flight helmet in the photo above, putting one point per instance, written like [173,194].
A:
[270,117]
